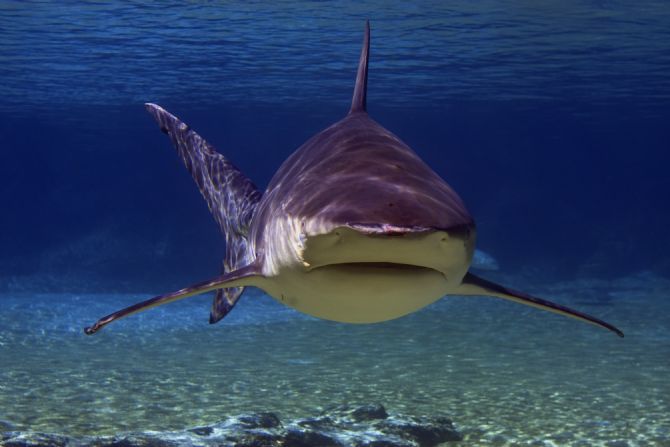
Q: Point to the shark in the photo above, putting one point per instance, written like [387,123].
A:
[353,227]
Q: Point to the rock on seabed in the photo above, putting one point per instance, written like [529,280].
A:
[363,426]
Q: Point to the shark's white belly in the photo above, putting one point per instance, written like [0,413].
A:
[359,293]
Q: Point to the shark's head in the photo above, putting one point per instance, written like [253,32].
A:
[356,194]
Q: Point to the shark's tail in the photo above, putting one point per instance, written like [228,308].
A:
[230,195]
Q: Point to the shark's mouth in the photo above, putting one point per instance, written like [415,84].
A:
[382,265]
[374,248]
[364,268]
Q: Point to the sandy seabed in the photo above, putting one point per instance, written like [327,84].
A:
[505,374]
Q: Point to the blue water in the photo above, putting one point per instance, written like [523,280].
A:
[549,119]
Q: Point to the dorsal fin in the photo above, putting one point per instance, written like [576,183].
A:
[361,88]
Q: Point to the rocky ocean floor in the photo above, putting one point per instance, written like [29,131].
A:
[364,426]
[465,371]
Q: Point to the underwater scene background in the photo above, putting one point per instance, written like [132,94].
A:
[550,119]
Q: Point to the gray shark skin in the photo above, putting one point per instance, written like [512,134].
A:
[354,226]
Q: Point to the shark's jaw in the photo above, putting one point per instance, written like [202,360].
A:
[367,274]
[445,251]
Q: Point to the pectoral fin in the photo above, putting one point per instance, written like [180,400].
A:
[246,276]
[474,285]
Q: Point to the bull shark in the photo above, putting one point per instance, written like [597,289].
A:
[354,227]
